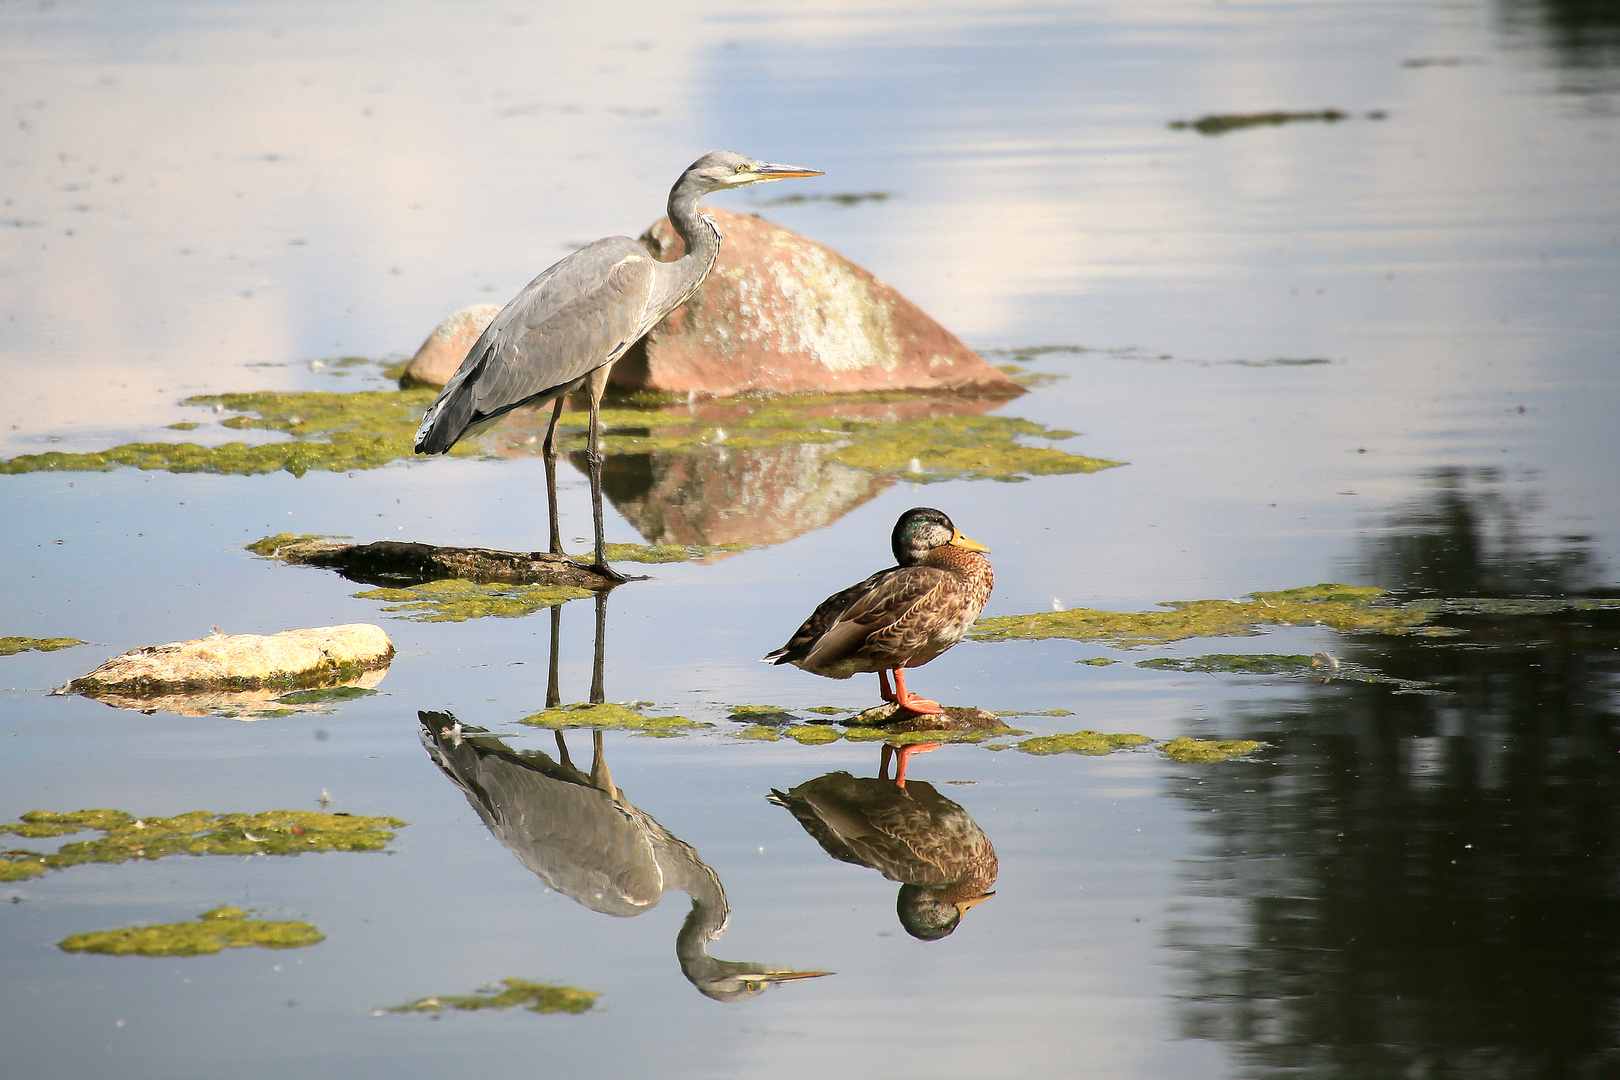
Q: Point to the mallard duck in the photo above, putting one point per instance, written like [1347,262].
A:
[900,617]
[932,846]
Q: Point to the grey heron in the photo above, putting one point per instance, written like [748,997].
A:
[564,331]
[578,833]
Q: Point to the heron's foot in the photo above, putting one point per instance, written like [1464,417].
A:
[913,703]
[602,569]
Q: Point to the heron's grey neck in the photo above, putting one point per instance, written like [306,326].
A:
[701,237]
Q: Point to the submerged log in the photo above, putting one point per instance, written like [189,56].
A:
[292,659]
[393,562]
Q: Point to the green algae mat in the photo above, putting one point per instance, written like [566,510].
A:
[511,993]
[1339,607]
[611,717]
[221,928]
[367,429]
[125,837]
[11,646]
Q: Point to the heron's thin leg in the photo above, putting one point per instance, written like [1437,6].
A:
[549,452]
[553,694]
[593,454]
[601,779]
[562,750]
[598,695]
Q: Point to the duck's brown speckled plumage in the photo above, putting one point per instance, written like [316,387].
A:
[900,617]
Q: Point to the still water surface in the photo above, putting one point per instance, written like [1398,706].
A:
[204,198]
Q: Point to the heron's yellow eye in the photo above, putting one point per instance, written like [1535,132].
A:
[743,167]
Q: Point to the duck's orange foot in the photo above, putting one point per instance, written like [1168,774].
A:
[905,756]
[913,703]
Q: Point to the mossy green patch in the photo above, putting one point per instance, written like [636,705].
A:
[1233,663]
[1082,742]
[1340,607]
[613,717]
[666,553]
[1097,661]
[761,714]
[1199,751]
[272,544]
[10,646]
[1295,666]
[759,733]
[323,696]
[925,449]
[511,993]
[457,600]
[126,837]
[330,431]
[222,928]
[828,710]
[368,429]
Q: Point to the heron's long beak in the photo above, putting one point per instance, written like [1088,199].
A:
[961,541]
[781,976]
[771,170]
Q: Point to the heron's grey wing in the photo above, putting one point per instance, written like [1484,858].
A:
[580,842]
[579,314]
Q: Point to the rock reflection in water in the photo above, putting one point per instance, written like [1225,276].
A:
[1429,885]
[720,494]
[912,834]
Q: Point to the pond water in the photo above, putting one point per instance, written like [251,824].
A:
[1381,350]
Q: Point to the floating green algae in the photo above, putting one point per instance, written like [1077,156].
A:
[1200,751]
[613,717]
[1097,661]
[222,928]
[10,646]
[1233,663]
[1295,666]
[1081,742]
[926,449]
[804,734]
[272,544]
[534,997]
[667,553]
[331,431]
[1340,607]
[370,428]
[761,714]
[325,695]
[1511,606]
[125,837]
[457,600]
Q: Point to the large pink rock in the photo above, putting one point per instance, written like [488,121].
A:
[448,345]
[781,314]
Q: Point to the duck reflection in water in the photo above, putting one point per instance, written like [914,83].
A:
[911,834]
[584,839]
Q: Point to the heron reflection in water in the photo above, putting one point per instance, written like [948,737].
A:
[581,836]
[911,834]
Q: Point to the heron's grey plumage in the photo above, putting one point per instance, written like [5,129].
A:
[560,334]
[585,840]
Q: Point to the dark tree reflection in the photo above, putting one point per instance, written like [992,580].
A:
[1429,884]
